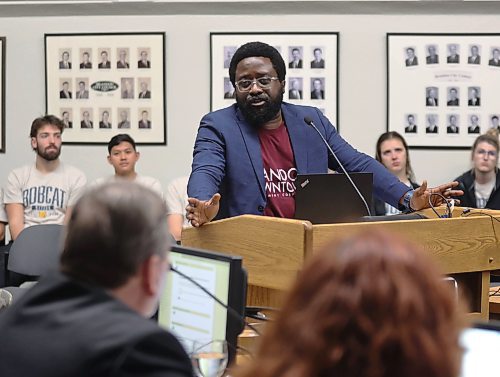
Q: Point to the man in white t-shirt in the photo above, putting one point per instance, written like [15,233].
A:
[177,200]
[123,156]
[481,184]
[43,192]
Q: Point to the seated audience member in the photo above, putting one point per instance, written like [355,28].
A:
[392,152]
[123,156]
[91,318]
[43,192]
[3,221]
[481,184]
[176,198]
[370,306]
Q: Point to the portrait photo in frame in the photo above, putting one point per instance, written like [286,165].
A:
[2,94]
[442,88]
[311,61]
[102,84]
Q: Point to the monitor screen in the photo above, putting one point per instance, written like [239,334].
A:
[190,313]
[481,344]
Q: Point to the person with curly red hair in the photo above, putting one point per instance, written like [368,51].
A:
[372,305]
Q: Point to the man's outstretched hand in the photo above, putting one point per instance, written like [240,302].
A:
[199,212]
[420,199]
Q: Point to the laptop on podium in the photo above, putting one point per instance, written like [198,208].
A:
[330,198]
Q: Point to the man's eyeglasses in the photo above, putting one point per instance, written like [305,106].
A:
[262,82]
[482,152]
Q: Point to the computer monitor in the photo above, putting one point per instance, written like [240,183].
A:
[481,344]
[190,313]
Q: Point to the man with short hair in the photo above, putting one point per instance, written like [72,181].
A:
[123,156]
[317,92]
[105,63]
[431,99]
[474,127]
[411,59]
[433,57]
[252,151]
[144,122]
[86,121]
[474,57]
[144,62]
[318,61]
[481,185]
[66,121]
[124,122]
[145,92]
[65,93]
[495,60]
[452,127]
[411,128]
[453,97]
[91,317]
[104,122]
[86,63]
[296,61]
[474,99]
[453,56]
[82,93]
[65,63]
[495,123]
[43,192]
[122,62]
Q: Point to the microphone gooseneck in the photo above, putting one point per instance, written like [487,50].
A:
[310,122]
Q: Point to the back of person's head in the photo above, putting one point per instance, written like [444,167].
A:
[120,138]
[395,135]
[370,306]
[46,120]
[113,229]
[257,49]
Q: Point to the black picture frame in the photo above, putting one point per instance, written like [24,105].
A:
[441,87]
[285,42]
[102,84]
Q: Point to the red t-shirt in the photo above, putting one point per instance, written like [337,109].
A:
[279,171]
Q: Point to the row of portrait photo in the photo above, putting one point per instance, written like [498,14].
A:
[105,118]
[296,56]
[452,53]
[130,88]
[453,96]
[299,88]
[453,124]
[104,58]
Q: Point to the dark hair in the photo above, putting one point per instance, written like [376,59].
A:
[120,138]
[494,117]
[259,49]
[372,305]
[113,229]
[410,48]
[395,135]
[45,120]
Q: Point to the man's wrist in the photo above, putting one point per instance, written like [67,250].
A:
[405,204]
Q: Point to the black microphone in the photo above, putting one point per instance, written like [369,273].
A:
[310,122]
[233,312]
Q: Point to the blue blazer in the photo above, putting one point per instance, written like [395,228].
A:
[227,159]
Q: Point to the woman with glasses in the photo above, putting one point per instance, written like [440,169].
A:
[392,152]
[481,184]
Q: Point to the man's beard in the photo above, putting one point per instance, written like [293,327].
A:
[257,117]
[50,155]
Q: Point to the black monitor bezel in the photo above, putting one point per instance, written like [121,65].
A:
[236,295]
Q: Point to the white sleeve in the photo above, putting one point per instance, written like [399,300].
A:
[175,199]
[14,190]
[77,188]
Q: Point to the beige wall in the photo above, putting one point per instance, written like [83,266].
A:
[362,81]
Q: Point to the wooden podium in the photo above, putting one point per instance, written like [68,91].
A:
[274,249]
